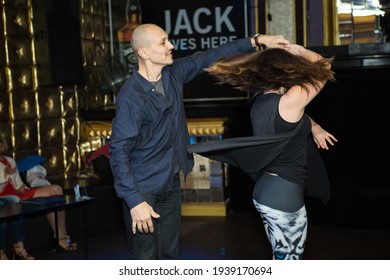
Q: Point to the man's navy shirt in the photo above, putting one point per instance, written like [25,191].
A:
[149,131]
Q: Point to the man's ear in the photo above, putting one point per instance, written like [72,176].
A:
[142,53]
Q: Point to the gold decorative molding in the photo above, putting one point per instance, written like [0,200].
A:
[196,126]
[206,126]
[93,129]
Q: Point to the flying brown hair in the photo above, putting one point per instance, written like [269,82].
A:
[270,69]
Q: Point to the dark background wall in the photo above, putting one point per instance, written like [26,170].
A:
[355,110]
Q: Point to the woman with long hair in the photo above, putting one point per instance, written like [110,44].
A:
[283,82]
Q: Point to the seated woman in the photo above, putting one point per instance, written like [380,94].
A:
[11,184]
[18,250]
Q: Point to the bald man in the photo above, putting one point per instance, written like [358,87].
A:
[149,138]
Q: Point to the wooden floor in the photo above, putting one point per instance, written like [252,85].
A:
[240,236]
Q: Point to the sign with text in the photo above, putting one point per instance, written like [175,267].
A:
[198,25]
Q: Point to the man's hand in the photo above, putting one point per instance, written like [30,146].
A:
[142,215]
[274,41]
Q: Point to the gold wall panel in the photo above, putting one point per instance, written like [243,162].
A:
[99,7]
[3,56]
[44,120]
[100,77]
[71,128]
[82,97]
[101,49]
[4,106]
[72,160]
[84,51]
[19,51]
[16,21]
[5,130]
[23,105]
[3,80]
[15,2]
[86,6]
[19,77]
[19,155]
[49,102]
[87,21]
[93,78]
[55,161]
[69,100]
[98,27]
[90,54]
[106,26]
[62,162]
[25,134]
[1,25]
[97,86]
[89,77]
[82,26]
[50,132]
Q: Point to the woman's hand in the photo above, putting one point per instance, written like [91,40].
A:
[295,49]
[10,170]
[322,138]
[21,189]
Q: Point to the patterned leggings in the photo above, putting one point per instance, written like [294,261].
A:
[280,204]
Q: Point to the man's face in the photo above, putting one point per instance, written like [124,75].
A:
[159,49]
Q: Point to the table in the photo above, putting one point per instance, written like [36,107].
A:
[23,209]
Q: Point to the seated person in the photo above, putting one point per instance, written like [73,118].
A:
[36,176]
[12,184]
[18,250]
